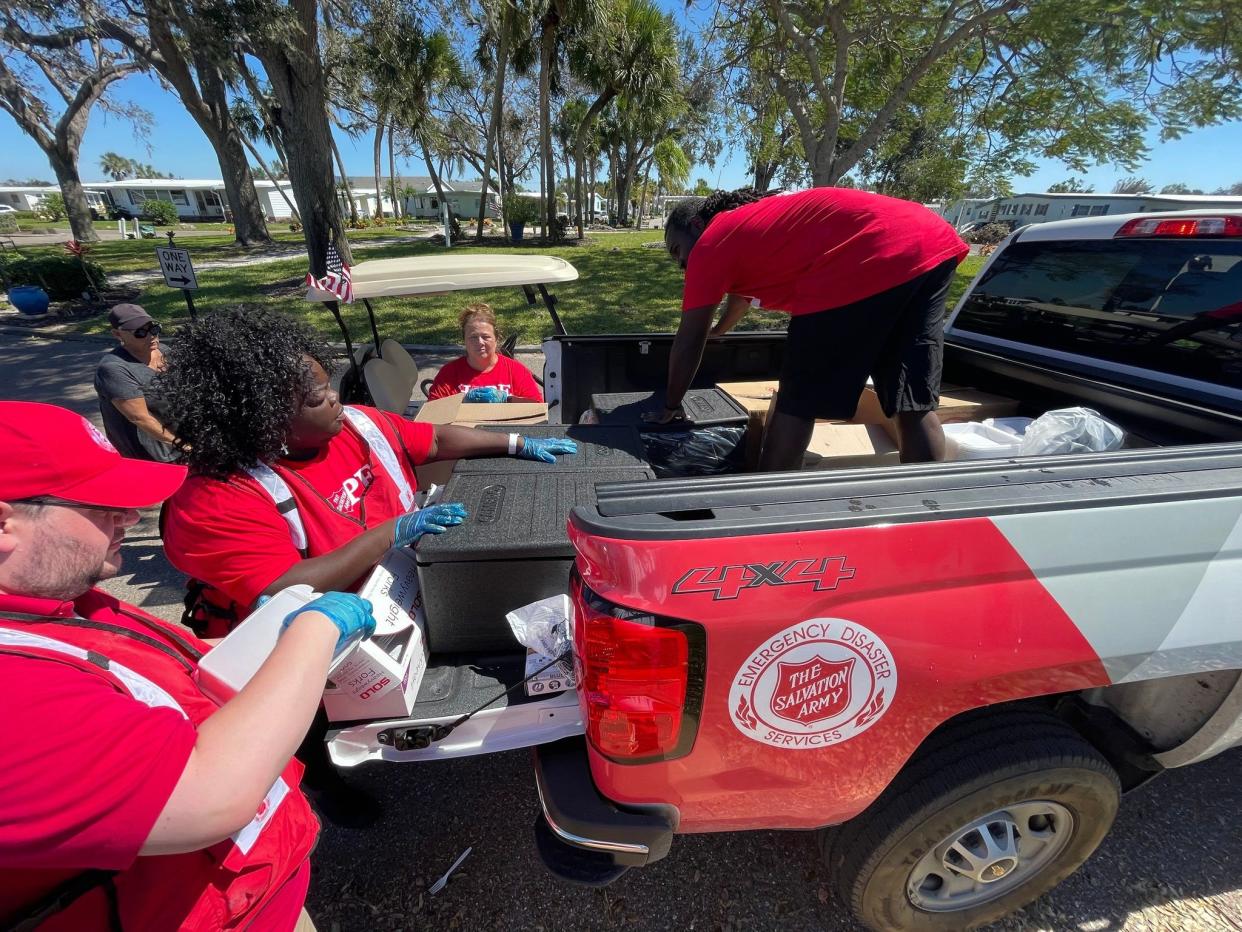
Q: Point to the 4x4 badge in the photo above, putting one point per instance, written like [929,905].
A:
[727,582]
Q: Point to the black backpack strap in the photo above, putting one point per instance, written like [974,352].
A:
[64,896]
[199,610]
[165,631]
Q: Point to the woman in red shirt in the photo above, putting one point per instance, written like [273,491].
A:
[264,434]
[483,374]
[864,278]
[287,486]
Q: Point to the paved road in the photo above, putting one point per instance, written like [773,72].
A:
[1172,862]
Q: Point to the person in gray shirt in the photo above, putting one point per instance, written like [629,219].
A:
[131,413]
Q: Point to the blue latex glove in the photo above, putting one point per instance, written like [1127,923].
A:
[350,613]
[544,448]
[434,519]
[487,394]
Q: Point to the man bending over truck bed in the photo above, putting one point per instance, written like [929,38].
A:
[864,278]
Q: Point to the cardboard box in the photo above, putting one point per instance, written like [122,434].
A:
[956,405]
[453,410]
[758,398]
[511,412]
[755,397]
[373,679]
[849,446]
[380,677]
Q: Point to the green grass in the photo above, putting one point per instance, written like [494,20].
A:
[622,287]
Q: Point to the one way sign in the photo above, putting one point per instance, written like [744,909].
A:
[177,268]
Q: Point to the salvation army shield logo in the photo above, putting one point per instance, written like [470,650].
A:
[812,691]
[813,685]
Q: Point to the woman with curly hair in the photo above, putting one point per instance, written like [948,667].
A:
[483,375]
[864,278]
[287,485]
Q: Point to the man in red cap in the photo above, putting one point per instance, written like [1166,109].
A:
[128,798]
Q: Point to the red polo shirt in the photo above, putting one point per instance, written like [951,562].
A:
[230,535]
[458,376]
[817,249]
[85,770]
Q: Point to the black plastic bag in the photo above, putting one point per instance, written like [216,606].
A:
[704,451]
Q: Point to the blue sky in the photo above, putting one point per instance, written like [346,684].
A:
[176,145]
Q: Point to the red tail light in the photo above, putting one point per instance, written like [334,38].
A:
[634,678]
[1181,226]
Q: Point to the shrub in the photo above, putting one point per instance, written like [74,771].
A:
[53,208]
[61,277]
[161,213]
[988,235]
[560,228]
[521,209]
[8,223]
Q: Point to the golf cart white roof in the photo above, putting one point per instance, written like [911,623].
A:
[426,275]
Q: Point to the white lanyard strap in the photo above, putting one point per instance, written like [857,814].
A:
[276,487]
[375,439]
[139,686]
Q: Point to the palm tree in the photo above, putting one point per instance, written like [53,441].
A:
[630,53]
[507,27]
[671,164]
[407,68]
[117,167]
[558,19]
[434,67]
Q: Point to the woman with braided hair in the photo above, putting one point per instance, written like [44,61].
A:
[864,278]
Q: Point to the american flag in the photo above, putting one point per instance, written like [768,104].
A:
[337,279]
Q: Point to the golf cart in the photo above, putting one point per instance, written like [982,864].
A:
[382,372]
[519,552]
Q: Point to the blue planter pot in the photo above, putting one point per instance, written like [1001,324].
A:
[28,299]
[515,230]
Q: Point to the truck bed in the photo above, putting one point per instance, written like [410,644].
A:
[767,503]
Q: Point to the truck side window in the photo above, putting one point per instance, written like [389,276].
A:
[1168,306]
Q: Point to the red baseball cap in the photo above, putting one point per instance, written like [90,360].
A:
[49,451]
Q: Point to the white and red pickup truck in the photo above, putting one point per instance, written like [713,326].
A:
[956,669]
[952,671]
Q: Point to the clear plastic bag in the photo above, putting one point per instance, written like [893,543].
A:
[544,626]
[1071,430]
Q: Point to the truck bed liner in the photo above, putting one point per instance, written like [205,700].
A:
[772,503]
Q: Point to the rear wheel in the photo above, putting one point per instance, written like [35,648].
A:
[981,823]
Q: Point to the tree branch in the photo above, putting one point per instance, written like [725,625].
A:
[942,45]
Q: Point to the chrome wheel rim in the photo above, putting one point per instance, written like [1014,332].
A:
[990,857]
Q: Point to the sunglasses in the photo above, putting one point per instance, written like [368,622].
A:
[65,503]
[146,330]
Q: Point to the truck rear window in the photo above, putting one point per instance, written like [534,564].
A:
[1169,306]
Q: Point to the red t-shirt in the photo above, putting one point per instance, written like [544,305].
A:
[459,376]
[86,770]
[816,249]
[230,535]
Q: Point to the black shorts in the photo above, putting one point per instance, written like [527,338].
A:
[895,337]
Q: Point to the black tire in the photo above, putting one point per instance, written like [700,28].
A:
[962,774]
